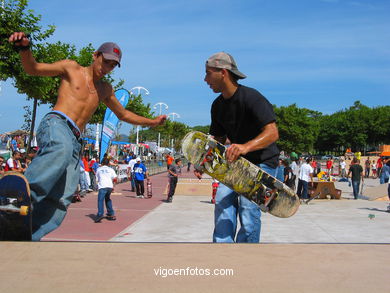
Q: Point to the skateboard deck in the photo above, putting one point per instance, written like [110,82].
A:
[15,208]
[242,176]
[149,189]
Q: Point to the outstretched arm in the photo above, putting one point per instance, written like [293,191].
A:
[21,42]
[112,102]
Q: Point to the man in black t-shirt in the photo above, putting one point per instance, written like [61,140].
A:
[357,175]
[243,118]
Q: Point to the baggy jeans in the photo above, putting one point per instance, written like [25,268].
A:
[53,174]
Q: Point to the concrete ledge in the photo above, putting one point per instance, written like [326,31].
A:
[140,267]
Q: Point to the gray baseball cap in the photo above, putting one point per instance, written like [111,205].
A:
[226,61]
[111,51]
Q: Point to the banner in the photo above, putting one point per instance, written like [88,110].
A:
[111,122]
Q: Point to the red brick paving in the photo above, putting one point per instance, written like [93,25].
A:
[79,224]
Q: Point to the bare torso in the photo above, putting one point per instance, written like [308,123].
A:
[79,96]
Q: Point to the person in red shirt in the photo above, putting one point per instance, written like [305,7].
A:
[329,164]
[87,169]
[169,160]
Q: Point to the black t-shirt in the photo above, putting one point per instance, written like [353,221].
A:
[356,171]
[241,118]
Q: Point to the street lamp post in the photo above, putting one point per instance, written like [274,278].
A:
[166,108]
[174,115]
[139,89]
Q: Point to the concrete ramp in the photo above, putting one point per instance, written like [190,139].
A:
[193,186]
[145,267]
[375,192]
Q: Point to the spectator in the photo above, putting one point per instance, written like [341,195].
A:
[93,165]
[289,177]
[280,171]
[14,164]
[329,166]
[140,173]
[343,172]
[82,179]
[2,165]
[305,174]
[130,173]
[373,168]
[367,165]
[357,175]
[104,177]
[379,165]
[174,172]
[170,160]
[87,170]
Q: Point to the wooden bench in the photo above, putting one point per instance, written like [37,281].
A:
[322,189]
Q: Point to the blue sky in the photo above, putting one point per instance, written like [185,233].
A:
[319,54]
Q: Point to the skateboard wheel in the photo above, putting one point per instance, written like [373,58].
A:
[263,208]
[24,210]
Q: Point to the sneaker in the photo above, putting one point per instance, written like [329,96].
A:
[111,218]
[98,219]
[142,196]
[169,199]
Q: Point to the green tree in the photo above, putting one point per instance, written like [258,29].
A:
[298,128]
[205,129]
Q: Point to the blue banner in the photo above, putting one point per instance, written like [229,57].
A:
[110,122]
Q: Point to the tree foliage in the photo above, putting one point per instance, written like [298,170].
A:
[306,131]
[298,128]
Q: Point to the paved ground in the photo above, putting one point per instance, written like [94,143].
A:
[328,246]
[190,217]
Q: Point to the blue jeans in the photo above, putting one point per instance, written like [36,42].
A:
[104,196]
[355,188]
[83,181]
[53,174]
[302,189]
[229,204]
[132,181]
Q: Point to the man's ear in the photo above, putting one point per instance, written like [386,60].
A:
[95,55]
[225,72]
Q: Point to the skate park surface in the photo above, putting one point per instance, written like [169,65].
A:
[328,246]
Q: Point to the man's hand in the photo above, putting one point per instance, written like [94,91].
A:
[159,120]
[19,39]
[234,151]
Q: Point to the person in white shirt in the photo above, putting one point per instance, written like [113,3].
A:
[342,167]
[104,177]
[305,174]
[130,172]
[295,169]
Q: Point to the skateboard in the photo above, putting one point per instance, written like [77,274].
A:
[149,191]
[15,208]
[242,176]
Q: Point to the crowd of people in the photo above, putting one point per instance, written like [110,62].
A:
[306,169]
[18,162]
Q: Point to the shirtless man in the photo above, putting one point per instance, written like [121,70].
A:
[53,175]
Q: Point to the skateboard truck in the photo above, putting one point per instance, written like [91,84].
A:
[269,196]
[8,206]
